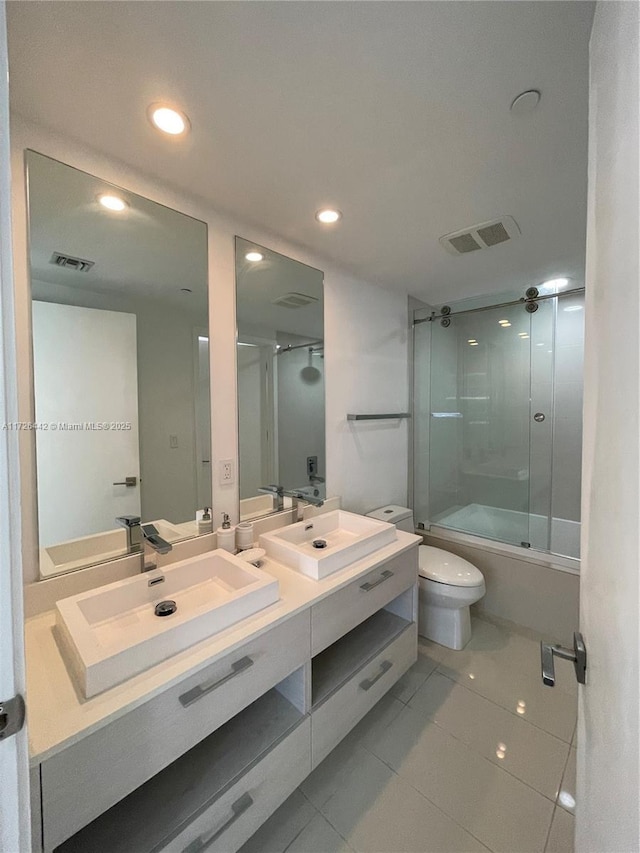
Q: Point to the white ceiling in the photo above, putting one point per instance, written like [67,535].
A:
[259,284]
[397,113]
[146,252]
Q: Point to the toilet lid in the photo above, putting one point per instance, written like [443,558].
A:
[444,567]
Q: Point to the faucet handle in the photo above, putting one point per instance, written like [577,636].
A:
[128,520]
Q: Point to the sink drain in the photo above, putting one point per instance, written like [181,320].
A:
[165,608]
[319,543]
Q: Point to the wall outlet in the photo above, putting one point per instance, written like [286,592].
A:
[227,472]
[173,441]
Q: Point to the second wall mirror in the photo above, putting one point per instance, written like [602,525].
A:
[280,357]
[121,365]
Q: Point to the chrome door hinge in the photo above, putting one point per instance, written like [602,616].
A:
[578,655]
[11,716]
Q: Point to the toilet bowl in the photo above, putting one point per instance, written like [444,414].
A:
[448,585]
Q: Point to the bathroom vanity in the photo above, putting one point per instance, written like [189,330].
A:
[198,751]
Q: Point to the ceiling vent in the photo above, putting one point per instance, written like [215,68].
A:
[294,300]
[482,236]
[71,263]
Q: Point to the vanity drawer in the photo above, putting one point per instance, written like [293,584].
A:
[240,811]
[87,778]
[338,613]
[335,717]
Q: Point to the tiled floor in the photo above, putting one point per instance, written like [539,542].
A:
[468,752]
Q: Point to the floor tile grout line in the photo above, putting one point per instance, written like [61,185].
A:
[492,763]
[564,770]
[477,752]
[498,705]
[501,707]
[424,797]
[546,843]
[302,828]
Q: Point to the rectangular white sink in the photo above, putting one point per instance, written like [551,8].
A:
[345,537]
[111,633]
[98,548]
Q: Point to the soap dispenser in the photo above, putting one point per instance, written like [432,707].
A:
[226,535]
[205,524]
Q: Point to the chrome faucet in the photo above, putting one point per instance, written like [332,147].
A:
[143,539]
[299,500]
[131,524]
[277,493]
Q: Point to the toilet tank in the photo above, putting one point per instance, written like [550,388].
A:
[401,516]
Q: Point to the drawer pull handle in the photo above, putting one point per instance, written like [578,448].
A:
[367,587]
[368,683]
[237,810]
[201,690]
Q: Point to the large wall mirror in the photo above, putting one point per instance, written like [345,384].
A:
[280,356]
[121,365]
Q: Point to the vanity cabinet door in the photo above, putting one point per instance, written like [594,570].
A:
[86,779]
[337,614]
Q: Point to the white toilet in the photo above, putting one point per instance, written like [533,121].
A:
[448,586]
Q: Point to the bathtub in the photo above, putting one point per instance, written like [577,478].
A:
[504,526]
[527,586]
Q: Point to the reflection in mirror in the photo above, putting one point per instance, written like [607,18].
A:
[280,356]
[121,366]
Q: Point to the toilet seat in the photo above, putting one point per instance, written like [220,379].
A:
[443,567]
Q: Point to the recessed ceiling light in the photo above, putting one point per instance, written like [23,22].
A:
[328,216]
[254,257]
[168,120]
[112,202]
[505,325]
[473,343]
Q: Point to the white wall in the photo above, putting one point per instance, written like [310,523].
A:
[366,355]
[83,372]
[365,346]
[608,725]
[166,394]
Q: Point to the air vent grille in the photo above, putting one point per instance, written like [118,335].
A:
[464,243]
[294,300]
[493,234]
[71,263]
[482,236]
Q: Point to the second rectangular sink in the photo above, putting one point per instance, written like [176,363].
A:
[340,538]
[97,548]
[113,632]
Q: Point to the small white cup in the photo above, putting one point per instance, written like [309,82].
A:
[244,535]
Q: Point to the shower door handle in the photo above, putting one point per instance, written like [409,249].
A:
[578,654]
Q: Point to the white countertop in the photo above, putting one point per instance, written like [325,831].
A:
[58,716]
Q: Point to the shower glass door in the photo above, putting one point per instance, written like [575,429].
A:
[480,424]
